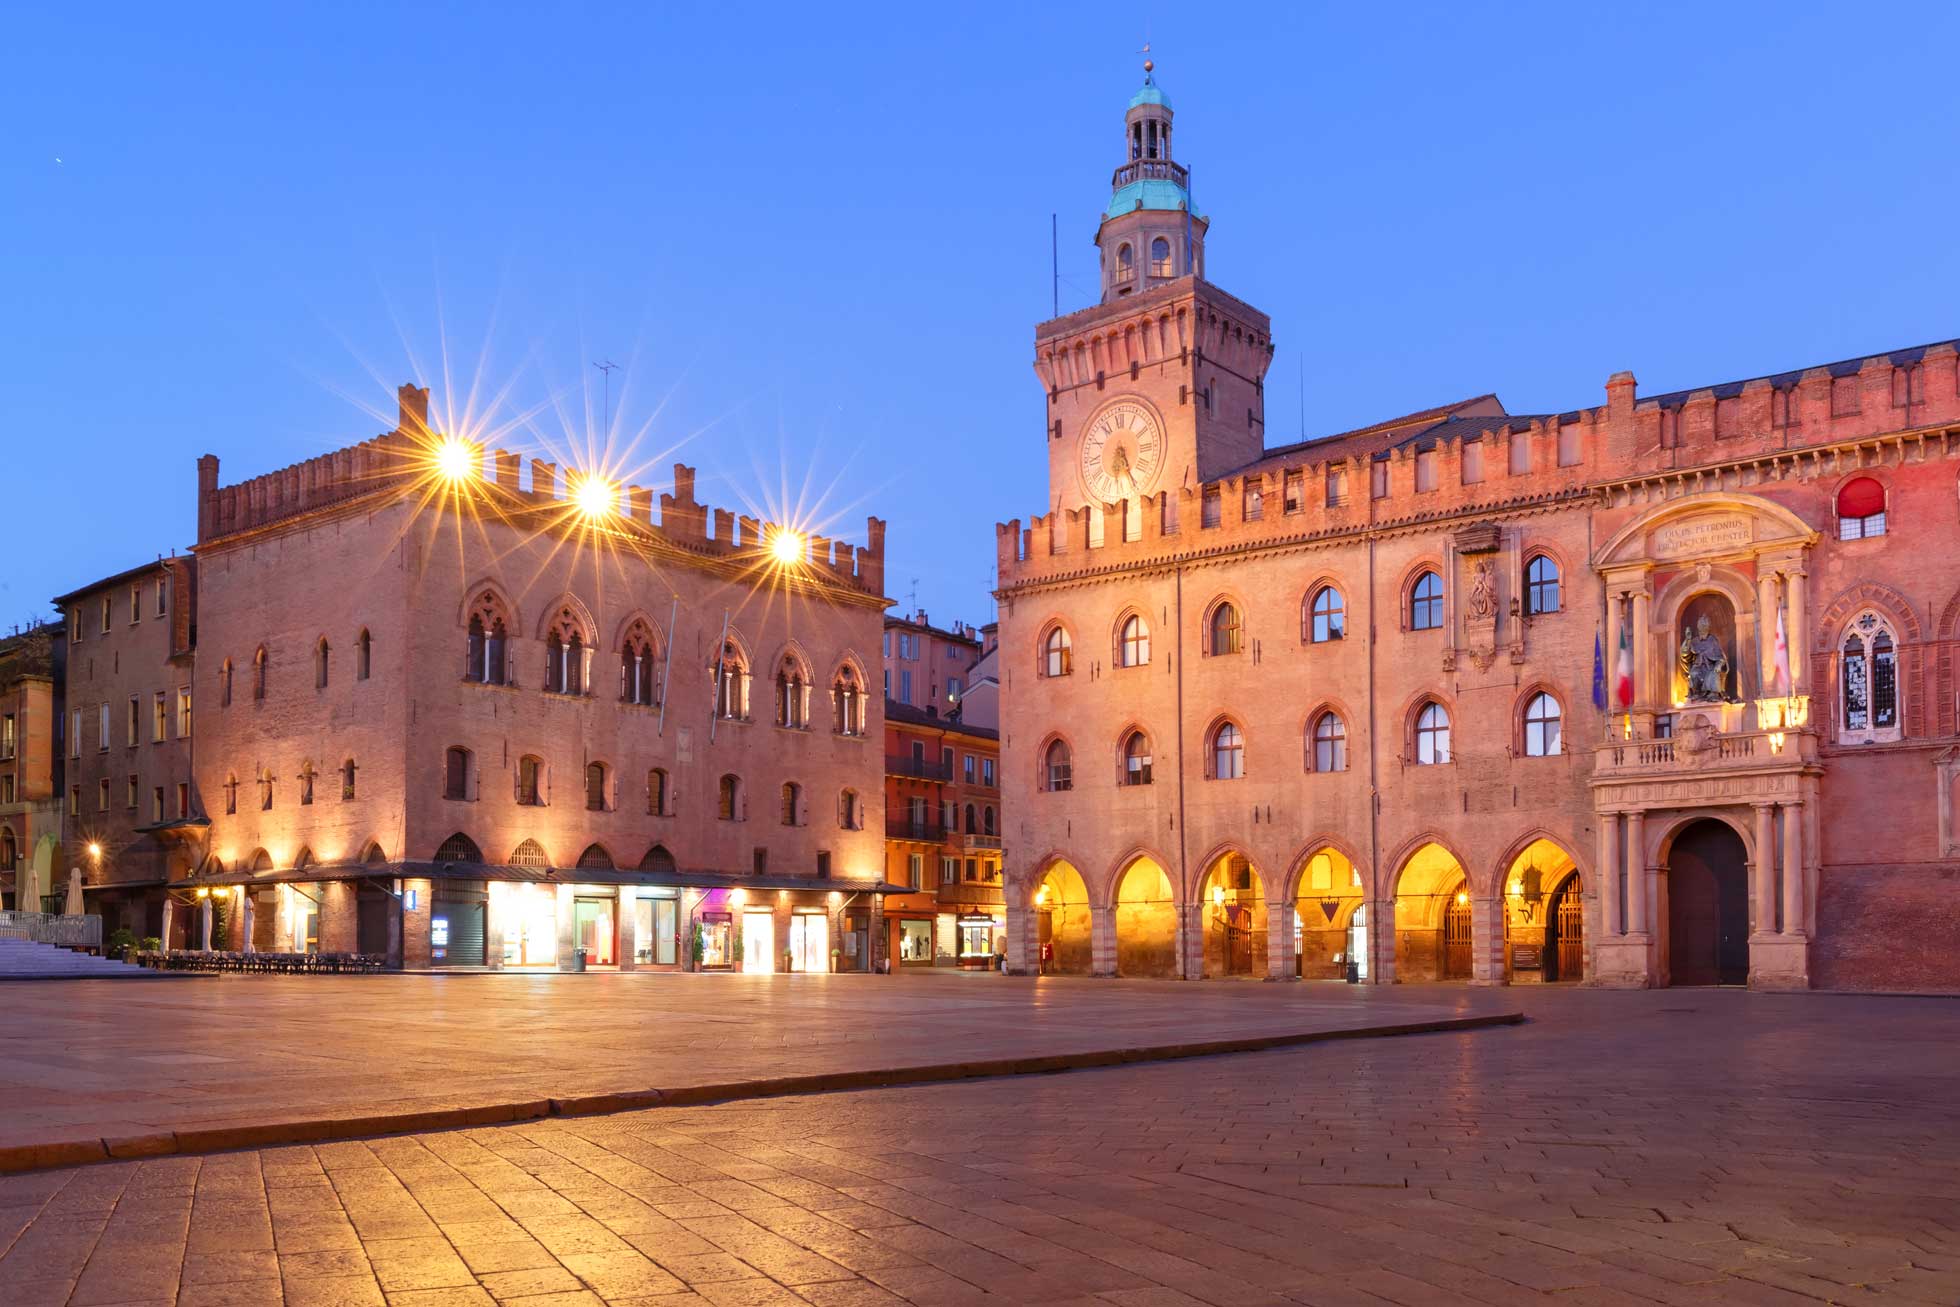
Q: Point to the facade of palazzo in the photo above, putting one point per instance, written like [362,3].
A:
[1656,690]
[466,717]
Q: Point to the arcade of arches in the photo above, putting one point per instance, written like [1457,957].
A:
[1528,926]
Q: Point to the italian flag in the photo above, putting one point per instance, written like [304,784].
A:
[1623,671]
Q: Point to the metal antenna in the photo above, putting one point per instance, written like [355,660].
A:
[1054,266]
[608,367]
[1303,394]
[912,596]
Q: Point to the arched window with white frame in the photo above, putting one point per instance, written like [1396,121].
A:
[1136,759]
[1326,615]
[1329,742]
[1426,602]
[1541,586]
[1057,771]
[1227,752]
[1544,735]
[1868,682]
[1224,634]
[1432,742]
[1055,651]
[1133,642]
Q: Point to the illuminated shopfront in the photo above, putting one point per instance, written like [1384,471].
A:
[656,934]
[758,940]
[979,937]
[596,931]
[809,941]
[915,942]
[529,916]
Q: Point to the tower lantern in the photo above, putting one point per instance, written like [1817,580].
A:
[1148,234]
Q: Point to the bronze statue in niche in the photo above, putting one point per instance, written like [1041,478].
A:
[1705,664]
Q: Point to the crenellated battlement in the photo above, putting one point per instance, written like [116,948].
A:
[403,462]
[1473,458]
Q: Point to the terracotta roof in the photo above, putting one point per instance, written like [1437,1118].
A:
[895,711]
[1374,438]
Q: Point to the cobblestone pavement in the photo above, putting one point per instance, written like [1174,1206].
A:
[1670,1147]
[102,1059]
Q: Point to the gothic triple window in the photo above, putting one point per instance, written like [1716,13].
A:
[1868,682]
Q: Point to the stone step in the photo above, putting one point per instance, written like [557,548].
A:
[23,958]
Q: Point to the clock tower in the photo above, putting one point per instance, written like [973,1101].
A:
[1160,387]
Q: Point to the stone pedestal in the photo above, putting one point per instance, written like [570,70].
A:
[1779,962]
[1622,962]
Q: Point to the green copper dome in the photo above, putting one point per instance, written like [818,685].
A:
[1150,94]
[1150,193]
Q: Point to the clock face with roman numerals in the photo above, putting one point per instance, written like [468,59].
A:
[1122,450]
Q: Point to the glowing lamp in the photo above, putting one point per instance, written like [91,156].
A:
[1041,897]
[455,460]
[1462,897]
[204,891]
[788,546]
[595,497]
[738,896]
[1218,894]
[94,849]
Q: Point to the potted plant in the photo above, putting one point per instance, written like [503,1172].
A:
[836,960]
[700,947]
[121,941]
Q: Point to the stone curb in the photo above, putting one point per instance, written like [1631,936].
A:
[216,1139]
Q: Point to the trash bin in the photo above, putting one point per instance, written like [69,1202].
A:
[578,959]
[1353,971]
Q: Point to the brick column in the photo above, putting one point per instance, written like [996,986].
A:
[1487,941]
[1102,942]
[1381,941]
[1023,947]
[1281,958]
[1191,940]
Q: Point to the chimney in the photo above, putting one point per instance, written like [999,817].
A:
[207,497]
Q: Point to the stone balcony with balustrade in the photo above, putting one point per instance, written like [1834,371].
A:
[1743,751]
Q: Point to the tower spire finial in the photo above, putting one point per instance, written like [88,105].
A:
[1148,65]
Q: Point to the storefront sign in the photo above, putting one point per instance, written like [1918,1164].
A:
[411,899]
[439,932]
[1701,535]
[1525,957]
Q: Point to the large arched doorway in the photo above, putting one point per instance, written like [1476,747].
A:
[1543,913]
[1708,906]
[1233,905]
[1146,921]
[1330,922]
[1061,905]
[1432,917]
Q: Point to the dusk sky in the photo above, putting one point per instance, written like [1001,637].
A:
[817,241]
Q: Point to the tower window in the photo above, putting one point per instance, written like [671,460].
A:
[1126,263]
[1160,257]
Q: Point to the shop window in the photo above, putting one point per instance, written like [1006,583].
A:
[1543,737]
[1227,752]
[1329,742]
[1861,509]
[1868,682]
[1432,734]
[1426,603]
[1541,581]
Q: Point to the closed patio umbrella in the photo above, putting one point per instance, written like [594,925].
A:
[73,907]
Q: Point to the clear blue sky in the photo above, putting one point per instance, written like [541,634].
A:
[818,239]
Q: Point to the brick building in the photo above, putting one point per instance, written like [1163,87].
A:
[32,665]
[942,838]
[928,666]
[1331,707]
[469,717]
[133,820]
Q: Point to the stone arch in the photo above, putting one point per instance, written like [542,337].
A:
[1230,902]
[1324,914]
[1435,912]
[1294,884]
[568,606]
[1060,901]
[489,588]
[1660,835]
[1528,876]
[641,617]
[1143,901]
[1628,544]
[1406,850]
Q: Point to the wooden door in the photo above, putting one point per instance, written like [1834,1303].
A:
[1456,941]
[1708,907]
[1566,954]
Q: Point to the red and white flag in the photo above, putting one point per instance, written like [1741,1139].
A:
[1782,654]
[1623,671]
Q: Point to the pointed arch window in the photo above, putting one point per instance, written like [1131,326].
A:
[1329,742]
[1055,767]
[847,701]
[792,694]
[1055,652]
[1543,727]
[265,789]
[595,858]
[306,774]
[1227,752]
[1432,734]
[1426,603]
[1868,682]
[258,675]
[363,655]
[1223,632]
[459,848]
[730,672]
[1133,642]
[529,854]
[638,673]
[1326,615]
[567,656]
[322,663]
[488,660]
[1136,759]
